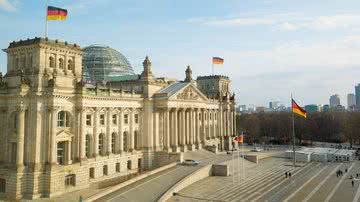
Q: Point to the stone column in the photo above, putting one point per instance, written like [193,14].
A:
[193,129]
[83,134]
[209,124]
[167,130]
[95,133]
[53,144]
[131,131]
[183,130]
[20,136]
[203,136]
[121,132]
[175,125]
[197,129]
[108,131]
[231,123]
[214,124]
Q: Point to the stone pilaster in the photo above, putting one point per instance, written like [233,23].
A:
[95,133]
[20,136]
[108,132]
[121,132]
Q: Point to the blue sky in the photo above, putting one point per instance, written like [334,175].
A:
[271,47]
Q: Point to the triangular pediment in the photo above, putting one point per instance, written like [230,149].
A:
[63,135]
[189,92]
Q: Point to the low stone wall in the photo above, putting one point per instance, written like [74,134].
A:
[128,182]
[220,170]
[252,158]
[164,158]
[192,178]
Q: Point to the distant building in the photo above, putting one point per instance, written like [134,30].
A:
[325,108]
[351,101]
[261,109]
[241,108]
[312,108]
[357,94]
[334,100]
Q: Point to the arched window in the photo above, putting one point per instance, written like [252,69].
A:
[51,61]
[101,143]
[113,136]
[125,138]
[63,119]
[70,65]
[61,63]
[87,146]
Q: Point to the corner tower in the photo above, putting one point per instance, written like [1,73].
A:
[42,63]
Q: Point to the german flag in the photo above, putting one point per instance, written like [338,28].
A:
[297,109]
[239,138]
[217,61]
[54,13]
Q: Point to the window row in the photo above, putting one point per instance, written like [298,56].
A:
[64,117]
[105,168]
[114,119]
[61,63]
[114,138]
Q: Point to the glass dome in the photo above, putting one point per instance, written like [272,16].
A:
[102,63]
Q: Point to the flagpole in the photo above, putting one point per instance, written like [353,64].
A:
[46,21]
[293,130]
[243,165]
[238,149]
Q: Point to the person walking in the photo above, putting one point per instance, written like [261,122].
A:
[286,174]
[290,174]
[352,183]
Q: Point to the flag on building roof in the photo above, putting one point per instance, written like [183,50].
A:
[54,13]
[297,109]
[218,61]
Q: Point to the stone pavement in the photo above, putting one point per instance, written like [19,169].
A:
[153,189]
[312,182]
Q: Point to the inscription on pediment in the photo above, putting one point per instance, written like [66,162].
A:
[188,94]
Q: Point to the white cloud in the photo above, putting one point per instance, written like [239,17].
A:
[287,26]
[284,21]
[10,6]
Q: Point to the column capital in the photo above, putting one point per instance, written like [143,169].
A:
[81,109]
[21,108]
[53,108]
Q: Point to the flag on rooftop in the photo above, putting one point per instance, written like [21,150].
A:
[297,109]
[218,61]
[54,13]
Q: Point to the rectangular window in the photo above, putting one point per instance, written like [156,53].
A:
[136,118]
[70,180]
[113,143]
[88,119]
[2,185]
[105,170]
[92,173]
[61,153]
[61,119]
[102,119]
[117,167]
[114,119]
[126,118]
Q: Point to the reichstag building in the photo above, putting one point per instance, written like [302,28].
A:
[70,117]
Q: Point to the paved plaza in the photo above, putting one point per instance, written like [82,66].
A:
[266,181]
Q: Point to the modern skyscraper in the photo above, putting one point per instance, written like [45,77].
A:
[334,100]
[351,101]
[357,94]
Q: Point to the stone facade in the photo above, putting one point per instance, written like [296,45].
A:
[59,133]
